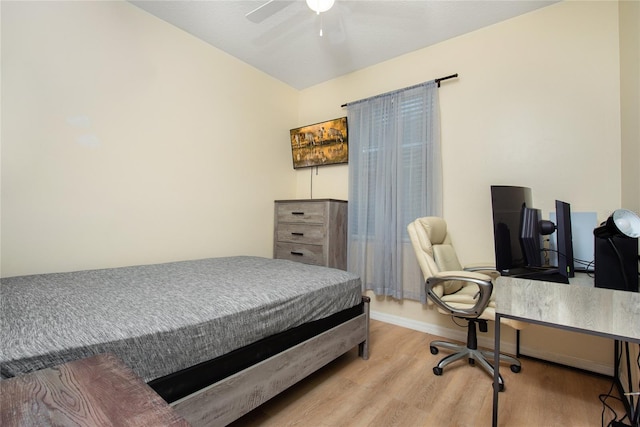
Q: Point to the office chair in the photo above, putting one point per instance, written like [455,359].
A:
[458,292]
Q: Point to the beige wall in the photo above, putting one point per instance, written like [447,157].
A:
[630,102]
[127,141]
[537,103]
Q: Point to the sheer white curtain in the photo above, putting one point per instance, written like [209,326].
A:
[395,176]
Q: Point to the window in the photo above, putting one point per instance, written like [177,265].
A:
[394,178]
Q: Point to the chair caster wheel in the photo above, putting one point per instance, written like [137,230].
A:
[500,387]
[472,362]
[437,371]
[515,368]
[434,350]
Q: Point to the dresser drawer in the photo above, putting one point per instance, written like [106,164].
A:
[303,212]
[308,254]
[301,233]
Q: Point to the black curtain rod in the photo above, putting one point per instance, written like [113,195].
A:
[452,76]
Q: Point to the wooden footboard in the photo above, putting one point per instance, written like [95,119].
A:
[227,400]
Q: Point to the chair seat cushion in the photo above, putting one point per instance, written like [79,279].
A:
[466,298]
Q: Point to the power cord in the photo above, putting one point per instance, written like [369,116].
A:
[615,422]
[587,264]
[636,419]
[453,319]
[604,397]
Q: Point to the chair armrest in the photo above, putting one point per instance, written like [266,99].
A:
[484,268]
[480,266]
[483,282]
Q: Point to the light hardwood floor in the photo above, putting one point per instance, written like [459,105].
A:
[397,387]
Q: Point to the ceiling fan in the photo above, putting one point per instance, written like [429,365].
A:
[333,18]
[269,8]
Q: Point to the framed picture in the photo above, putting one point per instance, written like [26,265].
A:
[320,144]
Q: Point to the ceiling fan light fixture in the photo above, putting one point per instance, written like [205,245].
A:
[319,6]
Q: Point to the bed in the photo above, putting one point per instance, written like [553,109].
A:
[214,337]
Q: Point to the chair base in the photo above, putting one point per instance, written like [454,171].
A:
[471,352]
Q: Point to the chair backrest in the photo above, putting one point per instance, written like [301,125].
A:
[433,249]
[435,254]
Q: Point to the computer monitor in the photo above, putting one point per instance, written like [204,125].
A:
[532,228]
[564,236]
[518,231]
[507,203]
[582,225]
[531,236]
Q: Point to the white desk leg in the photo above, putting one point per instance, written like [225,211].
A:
[496,371]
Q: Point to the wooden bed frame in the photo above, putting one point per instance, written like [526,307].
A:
[227,400]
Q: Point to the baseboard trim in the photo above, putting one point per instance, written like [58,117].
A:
[510,348]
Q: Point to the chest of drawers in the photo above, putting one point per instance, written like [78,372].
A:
[311,231]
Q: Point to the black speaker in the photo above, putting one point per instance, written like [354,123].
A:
[613,271]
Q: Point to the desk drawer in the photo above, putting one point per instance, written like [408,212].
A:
[308,254]
[301,233]
[302,212]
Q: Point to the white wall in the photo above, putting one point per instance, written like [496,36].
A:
[127,141]
[537,103]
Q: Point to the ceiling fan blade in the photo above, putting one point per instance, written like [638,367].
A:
[267,9]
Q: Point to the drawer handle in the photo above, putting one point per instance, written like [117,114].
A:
[297,253]
[297,234]
[297,213]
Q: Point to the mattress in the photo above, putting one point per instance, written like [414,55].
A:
[162,318]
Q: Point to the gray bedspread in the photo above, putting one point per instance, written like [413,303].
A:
[165,317]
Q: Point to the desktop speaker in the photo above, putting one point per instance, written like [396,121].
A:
[616,260]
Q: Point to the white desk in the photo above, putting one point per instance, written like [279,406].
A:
[577,307]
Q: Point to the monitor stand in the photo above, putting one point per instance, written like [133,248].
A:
[547,274]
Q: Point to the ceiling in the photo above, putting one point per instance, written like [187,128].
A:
[287,45]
